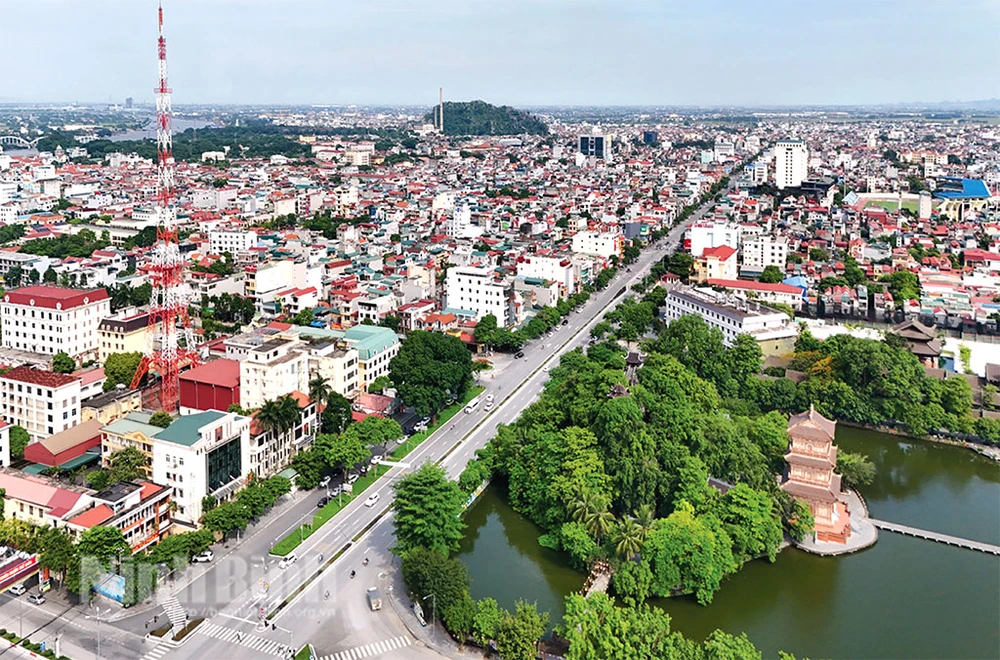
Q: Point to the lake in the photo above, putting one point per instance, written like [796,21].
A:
[902,598]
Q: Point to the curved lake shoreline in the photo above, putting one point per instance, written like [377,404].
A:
[902,598]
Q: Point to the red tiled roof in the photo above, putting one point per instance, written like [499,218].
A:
[93,517]
[721,252]
[52,297]
[27,374]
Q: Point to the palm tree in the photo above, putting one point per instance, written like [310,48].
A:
[279,415]
[599,523]
[628,538]
[584,506]
[319,389]
[644,517]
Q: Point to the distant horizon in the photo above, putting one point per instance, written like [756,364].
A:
[560,53]
[993,105]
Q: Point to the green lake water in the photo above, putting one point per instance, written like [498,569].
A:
[902,598]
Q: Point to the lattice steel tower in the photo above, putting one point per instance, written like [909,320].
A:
[170,342]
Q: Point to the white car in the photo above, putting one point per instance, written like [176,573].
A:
[324,482]
[206,556]
[287,561]
[376,459]
[351,478]
[489,398]
[17,590]
[372,500]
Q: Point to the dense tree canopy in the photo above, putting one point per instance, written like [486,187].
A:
[429,368]
[428,509]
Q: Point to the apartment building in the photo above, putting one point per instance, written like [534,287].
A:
[41,402]
[50,320]
[206,453]
[767,292]
[338,364]
[231,240]
[476,290]
[791,163]
[272,368]
[764,251]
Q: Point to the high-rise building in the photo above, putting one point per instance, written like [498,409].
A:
[128,102]
[791,160]
[598,146]
[650,137]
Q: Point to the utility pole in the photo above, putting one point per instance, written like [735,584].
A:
[433,605]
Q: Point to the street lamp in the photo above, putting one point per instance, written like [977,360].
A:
[433,605]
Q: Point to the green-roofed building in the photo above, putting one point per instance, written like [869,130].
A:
[205,453]
[376,346]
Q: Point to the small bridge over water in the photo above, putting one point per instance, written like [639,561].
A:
[598,580]
[935,536]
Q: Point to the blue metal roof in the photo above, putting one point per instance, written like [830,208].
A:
[957,188]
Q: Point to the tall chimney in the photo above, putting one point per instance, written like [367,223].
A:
[441,109]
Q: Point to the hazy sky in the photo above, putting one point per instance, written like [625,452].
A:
[520,52]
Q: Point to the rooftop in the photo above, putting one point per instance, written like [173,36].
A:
[225,373]
[186,430]
[26,374]
[52,297]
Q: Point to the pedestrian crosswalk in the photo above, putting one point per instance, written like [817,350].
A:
[174,612]
[233,636]
[370,650]
[156,652]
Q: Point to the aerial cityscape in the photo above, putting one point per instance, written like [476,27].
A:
[499,330]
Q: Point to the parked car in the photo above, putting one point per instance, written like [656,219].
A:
[206,556]
[376,459]
[518,355]
[372,500]
[351,478]
[336,490]
[565,321]
[324,482]
[37,599]
[17,590]
[323,501]
[289,559]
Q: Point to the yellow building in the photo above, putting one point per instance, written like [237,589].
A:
[111,406]
[134,430]
[124,332]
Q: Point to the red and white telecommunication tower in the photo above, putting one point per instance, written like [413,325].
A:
[170,342]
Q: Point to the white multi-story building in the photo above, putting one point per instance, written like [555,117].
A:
[764,251]
[41,402]
[730,315]
[50,320]
[272,369]
[791,160]
[338,364]
[476,290]
[375,346]
[205,453]
[601,243]
[562,270]
[231,241]
[705,235]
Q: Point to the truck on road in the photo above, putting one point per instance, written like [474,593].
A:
[374,598]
